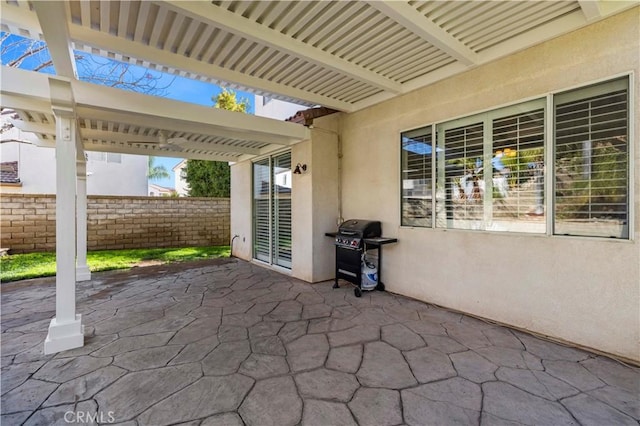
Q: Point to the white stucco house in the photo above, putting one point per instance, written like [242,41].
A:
[497,141]
[107,173]
[180,181]
[156,190]
[266,106]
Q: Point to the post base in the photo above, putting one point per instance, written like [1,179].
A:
[83,273]
[64,336]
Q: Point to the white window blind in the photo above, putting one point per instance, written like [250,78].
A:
[261,210]
[417,177]
[518,171]
[490,170]
[282,210]
[592,161]
[272,210]
[460,176]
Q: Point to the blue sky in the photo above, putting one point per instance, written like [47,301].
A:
[174,87]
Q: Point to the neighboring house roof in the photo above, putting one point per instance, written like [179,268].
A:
[9,172]
[160,188]
[179,165]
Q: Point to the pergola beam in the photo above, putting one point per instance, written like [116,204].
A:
[53,21]
[236,24]
[98,102]
[404,14]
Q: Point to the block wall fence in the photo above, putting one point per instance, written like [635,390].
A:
[114,222]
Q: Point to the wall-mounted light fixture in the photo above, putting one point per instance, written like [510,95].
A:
[300,168]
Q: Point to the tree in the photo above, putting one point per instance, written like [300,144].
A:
[213,178]
[227,100]
[208,178]
[156,172]
[21,52]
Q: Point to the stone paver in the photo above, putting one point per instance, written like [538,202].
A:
[307,352]
[429,365]
[272,402]
[376,407]
[384,366]
[345,358]
[231,343]
[207,396]
[326,413]
[132,394]
[327,384]
[452,401]
[510,403]
[472,366]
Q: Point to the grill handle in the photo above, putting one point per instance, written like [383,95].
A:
[349,232]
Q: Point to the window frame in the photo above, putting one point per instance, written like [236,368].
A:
[548,103]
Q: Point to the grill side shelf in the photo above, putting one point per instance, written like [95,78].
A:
[380,241]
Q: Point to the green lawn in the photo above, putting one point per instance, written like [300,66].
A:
[34,265]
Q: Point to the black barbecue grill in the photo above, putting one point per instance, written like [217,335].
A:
[353,239]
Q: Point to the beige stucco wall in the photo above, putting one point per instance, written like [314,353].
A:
[241,210]
[314,206]
[582,290]
[315,202]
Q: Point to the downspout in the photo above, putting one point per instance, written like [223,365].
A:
[340,218]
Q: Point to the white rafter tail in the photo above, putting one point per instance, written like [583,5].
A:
[25,126]
[591,9]
[229,21]
[21,18]
[53,20]
[404,14]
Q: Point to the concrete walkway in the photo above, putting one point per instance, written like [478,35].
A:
[233,343]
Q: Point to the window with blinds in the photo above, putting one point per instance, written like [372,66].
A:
[460,176]
[272,210]
[261,210]
[490,171]
[591,190]
[517,178]
[282,210]
[417,177]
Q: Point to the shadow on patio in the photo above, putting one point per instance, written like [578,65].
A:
[227,342]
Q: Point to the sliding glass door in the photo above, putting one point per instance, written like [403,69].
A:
[272,210]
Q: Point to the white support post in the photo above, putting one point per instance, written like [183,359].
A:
[82,269]
[65,330]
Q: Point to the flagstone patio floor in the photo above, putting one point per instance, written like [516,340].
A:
[231,343]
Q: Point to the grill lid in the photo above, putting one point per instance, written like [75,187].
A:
[361,228]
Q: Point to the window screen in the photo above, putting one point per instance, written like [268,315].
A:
[592,161]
